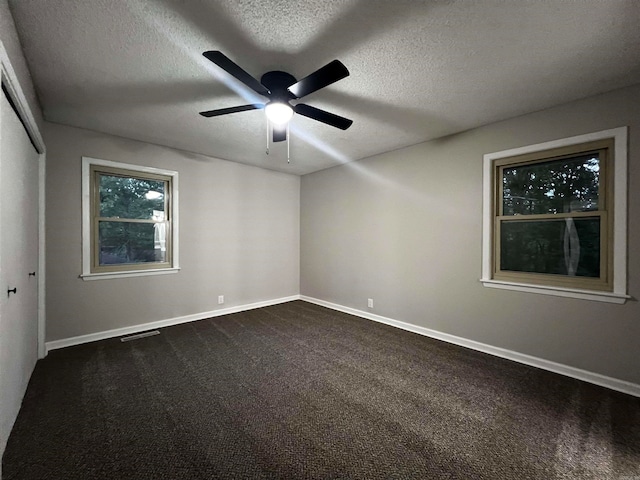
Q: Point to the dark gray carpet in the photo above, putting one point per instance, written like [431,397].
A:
[297,391]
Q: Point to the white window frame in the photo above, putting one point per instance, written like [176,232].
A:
[619,292]
[87,274]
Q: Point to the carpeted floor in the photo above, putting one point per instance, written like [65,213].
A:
[297,391]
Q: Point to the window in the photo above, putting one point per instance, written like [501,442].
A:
[555,217]
[129,220]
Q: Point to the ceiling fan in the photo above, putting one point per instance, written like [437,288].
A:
[281,88]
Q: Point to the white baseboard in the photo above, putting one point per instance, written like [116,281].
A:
[591,377]
[118,332]
[596,378]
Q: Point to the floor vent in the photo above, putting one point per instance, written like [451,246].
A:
[140,335]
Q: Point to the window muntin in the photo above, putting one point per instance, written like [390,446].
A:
[553,217]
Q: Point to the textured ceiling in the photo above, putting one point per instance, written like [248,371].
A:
[419,69]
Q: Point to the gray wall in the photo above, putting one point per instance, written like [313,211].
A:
[405,229]
[239,237]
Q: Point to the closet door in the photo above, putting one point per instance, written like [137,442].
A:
[18,264]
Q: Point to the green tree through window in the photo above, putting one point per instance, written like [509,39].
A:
[130,198]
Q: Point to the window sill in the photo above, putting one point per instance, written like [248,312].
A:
[609,297]
[135,273]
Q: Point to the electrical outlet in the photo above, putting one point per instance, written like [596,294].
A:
[220,299]
[370,303]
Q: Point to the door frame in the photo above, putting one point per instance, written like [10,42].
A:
[10,80]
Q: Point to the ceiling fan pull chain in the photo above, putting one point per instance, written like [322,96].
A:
[288,140]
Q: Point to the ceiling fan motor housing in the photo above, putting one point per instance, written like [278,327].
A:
[277,83]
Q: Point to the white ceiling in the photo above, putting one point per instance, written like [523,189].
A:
[419,69]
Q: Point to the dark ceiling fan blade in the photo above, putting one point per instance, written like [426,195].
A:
[224,111]
[330,73]
[323,116]
[234,70]
[279,133]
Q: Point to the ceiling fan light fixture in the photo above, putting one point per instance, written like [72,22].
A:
[278,113]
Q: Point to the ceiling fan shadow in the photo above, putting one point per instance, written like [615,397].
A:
[152,93]
[362,21]
[410,119]
[221,29]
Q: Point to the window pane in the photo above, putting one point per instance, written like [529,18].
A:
[127,242]
[568,246]
[558,186]
[126,197]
